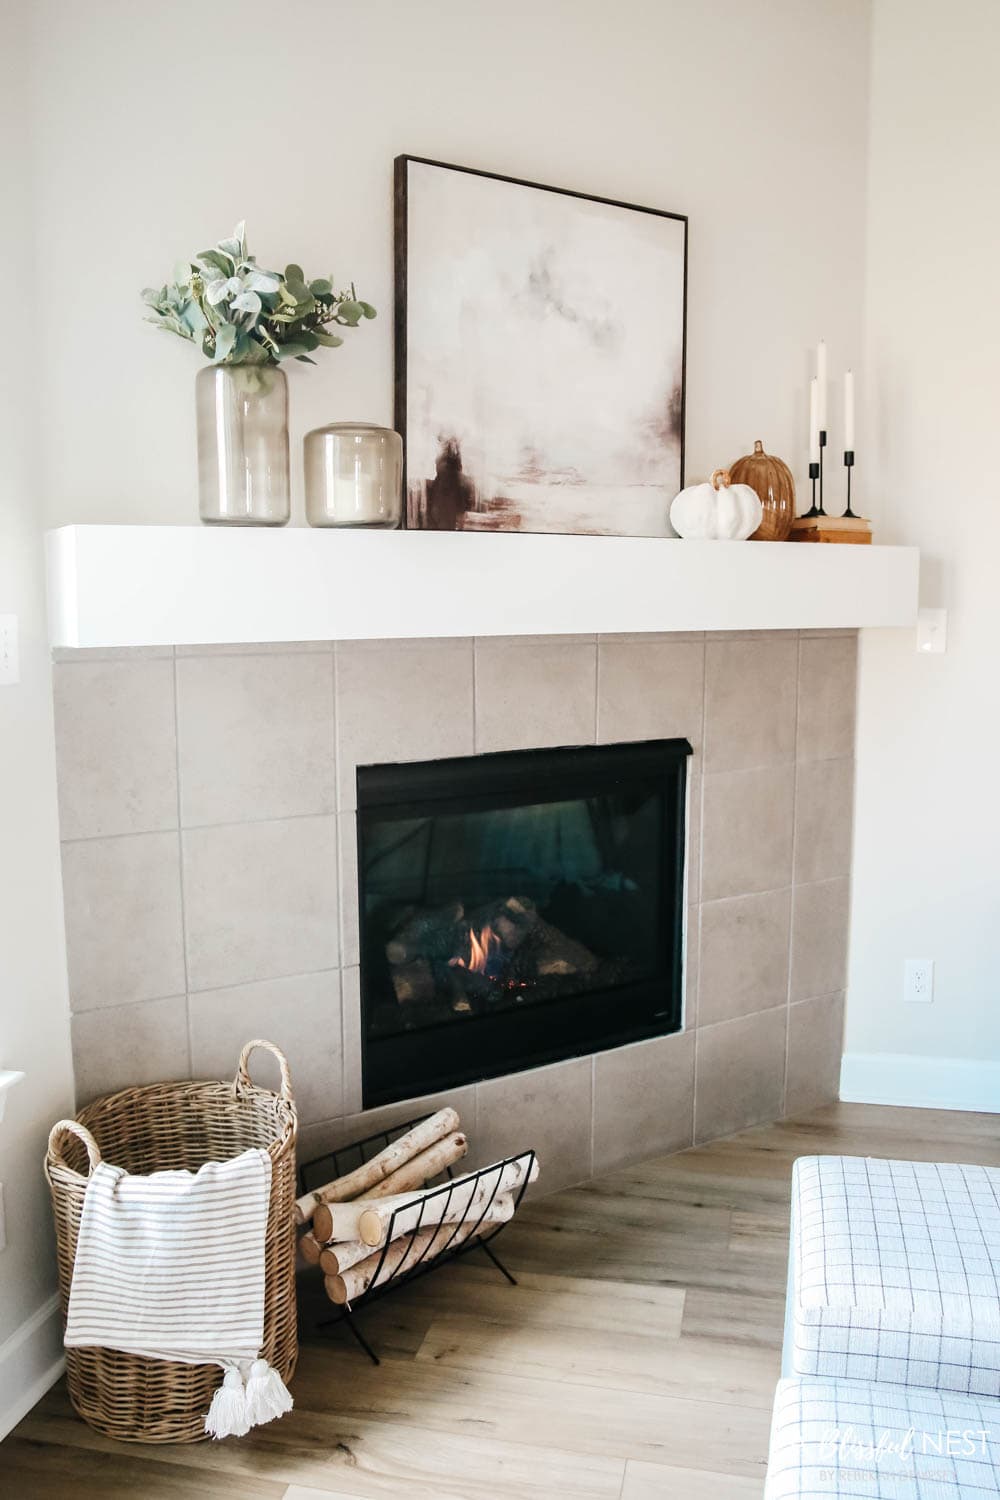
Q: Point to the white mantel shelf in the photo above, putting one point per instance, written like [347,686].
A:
[189,585]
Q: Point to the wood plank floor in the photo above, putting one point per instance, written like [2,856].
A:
[636,1360]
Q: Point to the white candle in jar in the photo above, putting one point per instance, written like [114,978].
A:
[821,382]
[367,490]
[813,421]
[849,411]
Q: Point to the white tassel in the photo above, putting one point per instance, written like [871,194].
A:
[227,1415]
[267,1395]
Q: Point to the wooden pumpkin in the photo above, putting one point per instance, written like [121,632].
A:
[716,512]
[773,482]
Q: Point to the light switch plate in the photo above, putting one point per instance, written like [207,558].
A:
[10,666]
[932,631]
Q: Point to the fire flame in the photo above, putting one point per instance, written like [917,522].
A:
[482,947]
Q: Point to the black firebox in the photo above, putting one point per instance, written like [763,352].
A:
[517,909]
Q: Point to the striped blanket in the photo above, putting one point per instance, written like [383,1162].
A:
[171,1266]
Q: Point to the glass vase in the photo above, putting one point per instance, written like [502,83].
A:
[243,445]
[354,474]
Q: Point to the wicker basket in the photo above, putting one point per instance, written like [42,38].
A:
[163,1126]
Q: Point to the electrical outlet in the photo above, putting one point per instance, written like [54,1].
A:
[918,981]
[10,670]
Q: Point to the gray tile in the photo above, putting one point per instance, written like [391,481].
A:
[300,1015]
[531,641]
[651,637]
[827,698]
[350,991]
[824,809]
[124,934]
[750,703]
[350,935]
[548,1109]
[531,698]
[815,1049]
[740,1071]
[744,955]
[747,832]
[317,1139]
[693,829]
[110,653]
[650,690]
[405,643]
[331,1135]
[129,1045]
[255,737]
[401,703]
[643,1101]
[692,966]
[820,921]
[254,648]
[815,633]
[751,635]
[115,746]
[260,901]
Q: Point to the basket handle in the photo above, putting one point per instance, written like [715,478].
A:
[72,1127]
[244,1082]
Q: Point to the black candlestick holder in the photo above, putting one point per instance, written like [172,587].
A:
[814,474]
[822,445]
[849,465]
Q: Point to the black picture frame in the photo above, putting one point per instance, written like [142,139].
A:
[402,165]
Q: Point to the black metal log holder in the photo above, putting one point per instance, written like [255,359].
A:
[431,1214]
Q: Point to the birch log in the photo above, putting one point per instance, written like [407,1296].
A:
[410,1250]
[422,1167]
[340,1256]
[368,1219]
[310,1249]
[371,1173]
[335,1259]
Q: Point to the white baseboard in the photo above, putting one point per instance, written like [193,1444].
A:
[31,1361]
[920,1082]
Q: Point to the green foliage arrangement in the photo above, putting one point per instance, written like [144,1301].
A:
[243,315]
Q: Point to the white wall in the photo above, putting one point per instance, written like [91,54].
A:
[927,873]
[749,115]
[157,126]
[34,1017]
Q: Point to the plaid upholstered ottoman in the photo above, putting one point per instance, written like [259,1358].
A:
[854,1441]
[894,1273]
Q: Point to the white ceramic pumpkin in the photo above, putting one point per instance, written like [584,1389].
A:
[718,511]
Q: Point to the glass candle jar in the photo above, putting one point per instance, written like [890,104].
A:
[354,473]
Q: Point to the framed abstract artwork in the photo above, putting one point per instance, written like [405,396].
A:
[540,343]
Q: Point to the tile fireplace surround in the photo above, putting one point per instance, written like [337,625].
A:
[207,810]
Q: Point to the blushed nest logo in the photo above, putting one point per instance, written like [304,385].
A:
[919,1453]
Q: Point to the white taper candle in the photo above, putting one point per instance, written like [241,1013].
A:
[821,382]
[814,421]
[849,411]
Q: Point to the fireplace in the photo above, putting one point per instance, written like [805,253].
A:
[517,909]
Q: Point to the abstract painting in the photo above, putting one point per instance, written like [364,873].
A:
[540,340]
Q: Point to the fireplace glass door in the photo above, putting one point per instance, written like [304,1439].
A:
[517,909]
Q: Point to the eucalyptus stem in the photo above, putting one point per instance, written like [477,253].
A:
[242,314]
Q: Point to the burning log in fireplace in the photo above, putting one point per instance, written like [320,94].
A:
[499,951]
